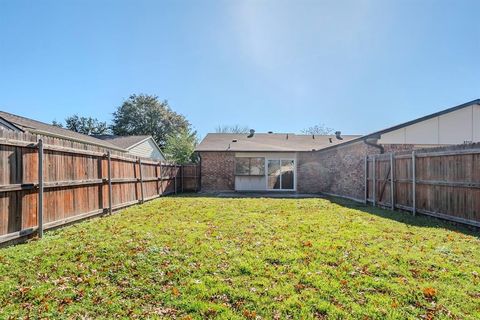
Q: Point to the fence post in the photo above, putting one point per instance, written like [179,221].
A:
[156,176]
[161,179]
[109,174]
[40,188]
[141,180]
[392,183]
[175,183]
[366,180]
[196,178]
[414,205]
[374,182]
[181,175]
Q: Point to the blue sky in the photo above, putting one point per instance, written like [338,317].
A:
[356,66]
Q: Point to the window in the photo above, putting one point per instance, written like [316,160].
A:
[242,166]
[257,166]
[249,166]
[287,174]
[274,174]
[281,175]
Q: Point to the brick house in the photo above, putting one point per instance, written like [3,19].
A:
[257,161]
[330,164]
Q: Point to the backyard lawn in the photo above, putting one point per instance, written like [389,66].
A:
[199,257]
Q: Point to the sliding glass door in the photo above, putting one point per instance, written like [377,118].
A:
[280,174]
[273,174]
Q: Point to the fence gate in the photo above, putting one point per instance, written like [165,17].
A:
[379,180]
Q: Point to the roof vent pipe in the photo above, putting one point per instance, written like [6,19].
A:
[252,133]
[338,135]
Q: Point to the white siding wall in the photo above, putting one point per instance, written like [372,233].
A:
[455,127]
[476,123]
[250,183]
[147,149]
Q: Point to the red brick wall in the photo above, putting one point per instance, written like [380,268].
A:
[338,171]
[217,171]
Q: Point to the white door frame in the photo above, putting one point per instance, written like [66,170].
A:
[294,173]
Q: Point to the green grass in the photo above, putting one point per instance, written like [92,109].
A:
[199,257]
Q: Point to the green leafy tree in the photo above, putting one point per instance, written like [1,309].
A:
[85,125]
[180,146]
[146,115]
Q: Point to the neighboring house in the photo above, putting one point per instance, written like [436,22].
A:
[13,122]
[258,161]
[334,168]
[141,146]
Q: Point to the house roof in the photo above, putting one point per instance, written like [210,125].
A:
[128,142]
[125,142]
[37,127]
[276,142]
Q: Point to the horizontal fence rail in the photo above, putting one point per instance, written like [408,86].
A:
[444,184]
[47,182]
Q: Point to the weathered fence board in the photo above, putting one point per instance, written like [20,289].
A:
[79,181]
[441,183]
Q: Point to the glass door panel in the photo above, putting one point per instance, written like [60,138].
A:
[273,174]
[287,175]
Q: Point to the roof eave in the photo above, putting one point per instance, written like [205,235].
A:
[427,117]
[405,124]
[139,142]
[11,124]
[259,150]
[60,136]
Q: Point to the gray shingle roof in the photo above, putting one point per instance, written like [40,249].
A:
[124,142]
[269,142]
[37,127]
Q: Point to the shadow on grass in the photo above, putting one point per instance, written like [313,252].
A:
[419,220]
[405,217]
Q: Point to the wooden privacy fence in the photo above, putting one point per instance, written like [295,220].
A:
[49,182]
[444,183]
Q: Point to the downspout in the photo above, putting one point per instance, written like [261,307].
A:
[373,142]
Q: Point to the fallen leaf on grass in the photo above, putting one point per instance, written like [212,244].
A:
[249,314]
[24,290]
[163,311]
[299,287]
[429,293]
[175,292]
[307,244]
